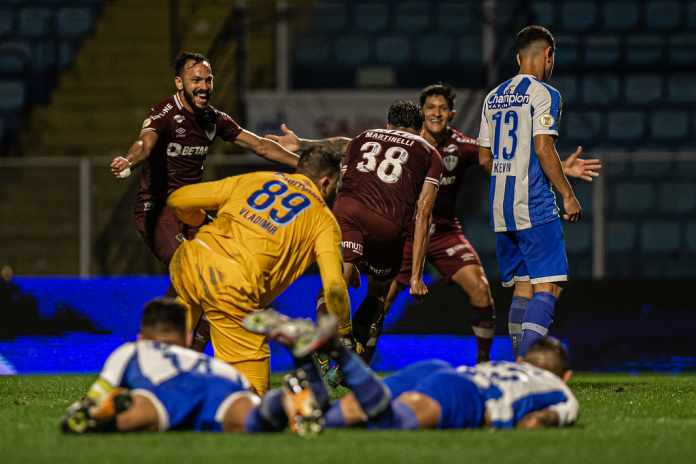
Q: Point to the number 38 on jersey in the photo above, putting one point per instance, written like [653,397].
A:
[388,165]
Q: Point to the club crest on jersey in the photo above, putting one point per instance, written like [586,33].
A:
[179,118]
[211,134]
[546,120]
[450,162]
[147,122]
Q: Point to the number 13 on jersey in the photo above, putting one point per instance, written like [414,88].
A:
[505,126]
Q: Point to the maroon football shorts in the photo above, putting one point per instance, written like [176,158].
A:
[162,231]
[448,251]
[370,241]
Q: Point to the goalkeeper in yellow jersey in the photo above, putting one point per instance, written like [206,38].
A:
[270,227]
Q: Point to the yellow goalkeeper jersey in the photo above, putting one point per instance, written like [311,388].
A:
[271,226]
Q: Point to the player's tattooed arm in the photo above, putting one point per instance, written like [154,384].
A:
[424,210]
[138,152]
[539,419]
[292,142]
[581,168]
[545,146]
[267,148]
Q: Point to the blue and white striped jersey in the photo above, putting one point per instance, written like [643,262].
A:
[520,194]
[513,390]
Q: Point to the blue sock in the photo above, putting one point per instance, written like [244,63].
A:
[333,418]
[269,416]
[517,309]
[537,319]
[397,416]
[372,394]
[316,382]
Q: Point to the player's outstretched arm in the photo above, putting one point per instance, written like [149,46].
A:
[137,153]
[581,168]
[424,212]
[267,148]
[539,419]
[292,142]
[545,146]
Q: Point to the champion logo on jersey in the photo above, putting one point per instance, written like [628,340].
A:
[450,162]
[179,118]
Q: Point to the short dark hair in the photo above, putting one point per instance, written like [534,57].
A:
[550,354]
[184,57]
[318,162]
[438,89]
[406,114]
[164,314]
[531,34]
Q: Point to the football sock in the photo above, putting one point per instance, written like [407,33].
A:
[397,416]
[537,319]
[518,308]
[315,380]
[269,416]
[333,418]
[483,326]
[364,317]
[372,394]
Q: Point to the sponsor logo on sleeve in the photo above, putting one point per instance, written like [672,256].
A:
[546,120]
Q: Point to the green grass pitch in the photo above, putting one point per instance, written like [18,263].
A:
[624,419]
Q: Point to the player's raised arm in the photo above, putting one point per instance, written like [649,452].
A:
[191,201]
[267,148]
[292,142]
[328,257]
[137,153]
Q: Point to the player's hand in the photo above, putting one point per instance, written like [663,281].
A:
[418,289]
[585,169]
[120,166]
[571,209]
[289,140]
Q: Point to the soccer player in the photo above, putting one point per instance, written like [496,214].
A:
[432,395]
[172,147]
[519,126]
[155,384]
[270,227]
[389,183]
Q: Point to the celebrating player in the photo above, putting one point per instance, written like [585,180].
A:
[155,384]
[172,146]
[432,395]
[519,126]
[270,227]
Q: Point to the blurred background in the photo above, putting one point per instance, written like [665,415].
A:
[77,77]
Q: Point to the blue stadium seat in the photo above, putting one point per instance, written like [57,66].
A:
[469,49]
[621,236]
[651,170]
[578,237]
[691,236]
[669,125]
[393,49]
[626,126]
[634,197]
[35,22]
[681,49]
[644,49]
[412,16]
[6,22]
[568,86]
[676,197]
[435,49]
[602,50]
[660,236]
[663,14]
[12,95]
[682,88]
[544,13]
[602,90]
[74,22]
[582,126]
[13,63]
[578,16]
[691,15]
[643,89]
[566,50]
[583,191]
[458,17]
[313,50]
[621,15]
[371,17]
[352,49]
[329,16]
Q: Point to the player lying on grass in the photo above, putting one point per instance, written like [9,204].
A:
[155,384]
[433,395]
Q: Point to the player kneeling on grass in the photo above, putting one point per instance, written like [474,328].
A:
[155,384]
[531,393]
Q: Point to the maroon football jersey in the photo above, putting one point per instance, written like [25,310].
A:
[385,170]
[458,153]
[182,144]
